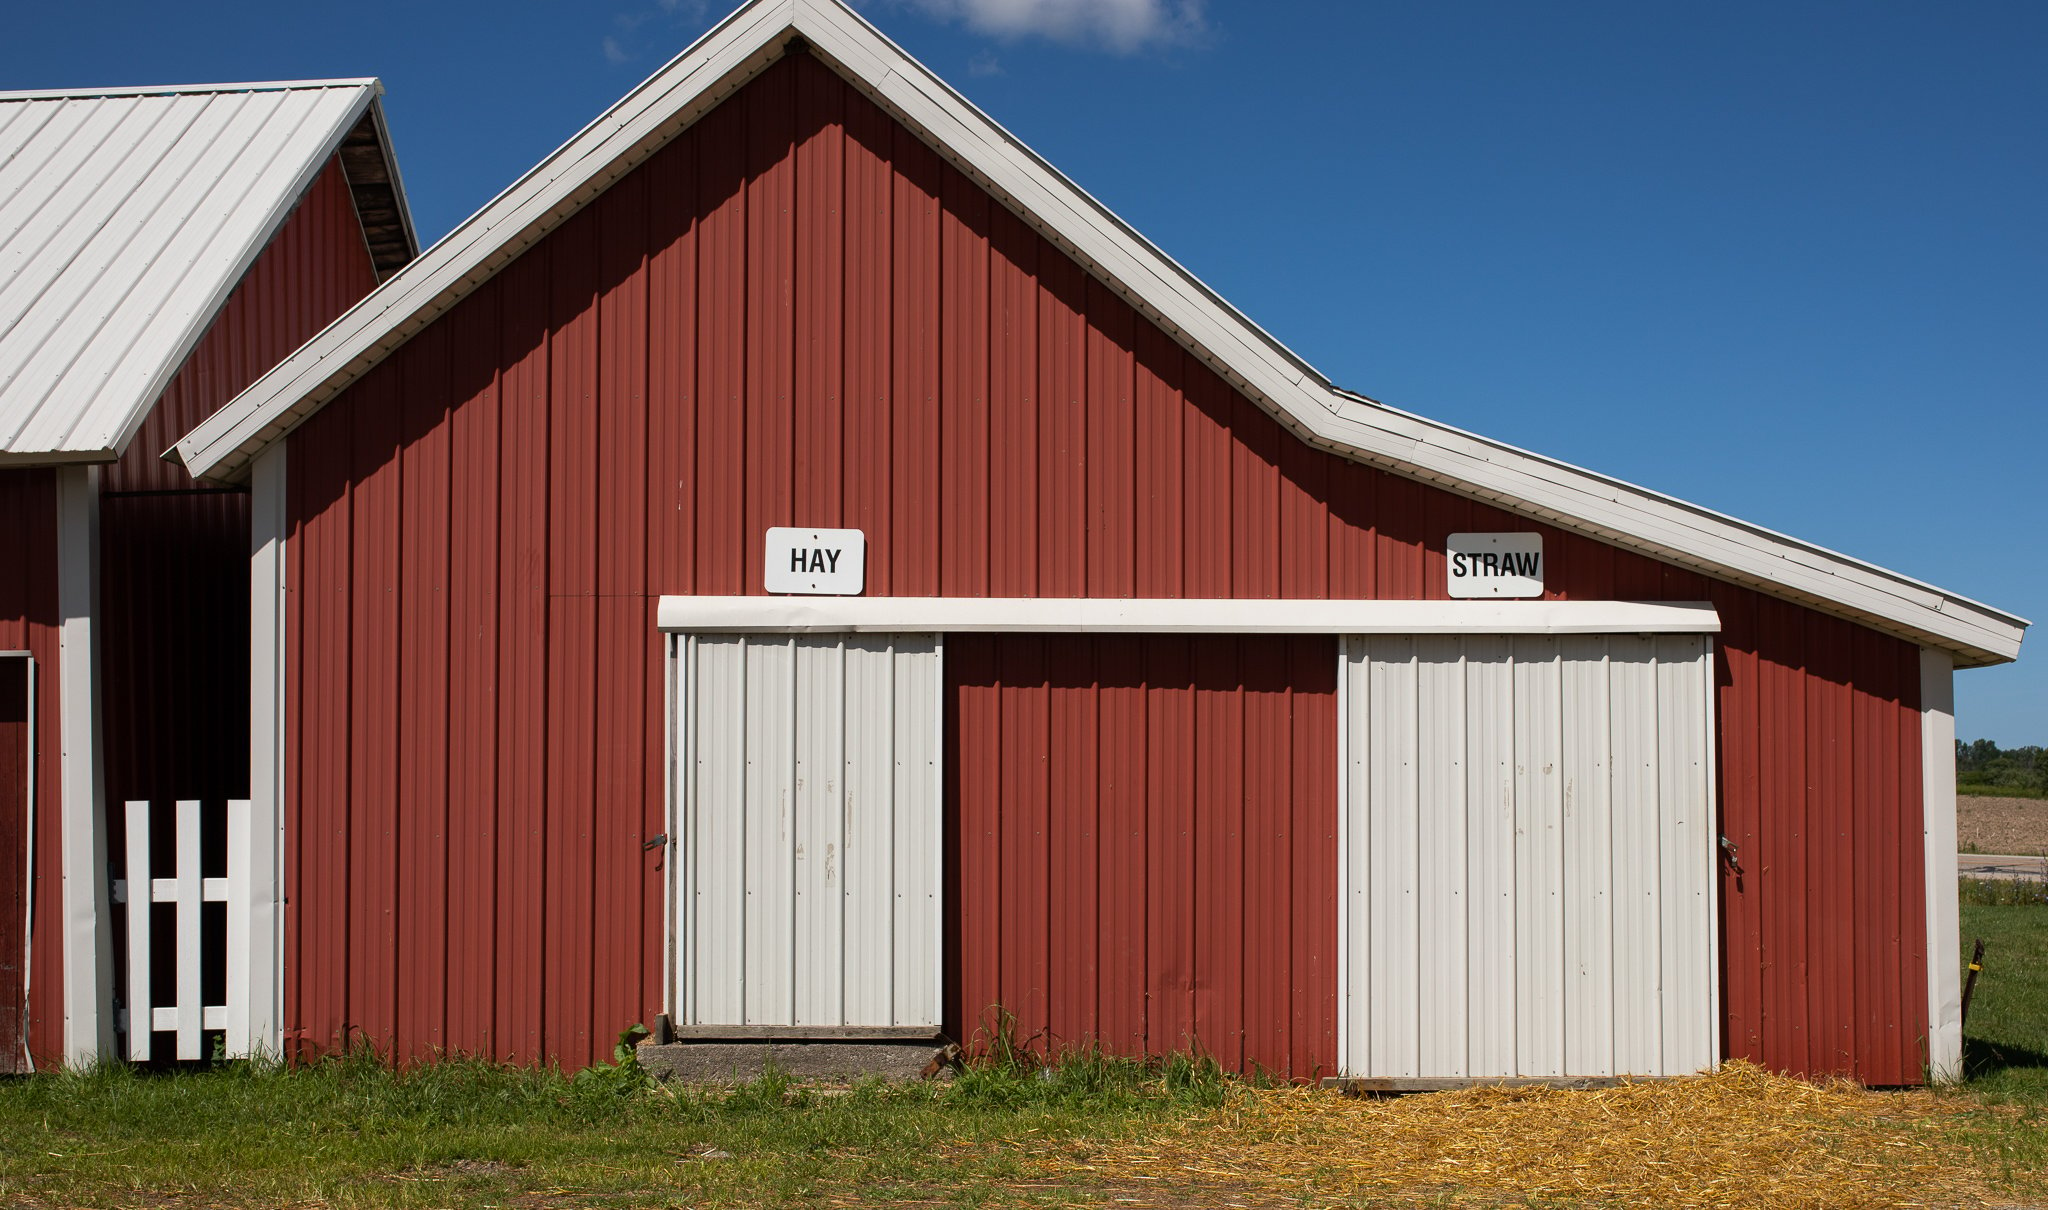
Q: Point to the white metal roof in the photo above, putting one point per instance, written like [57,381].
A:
[127,216]
[1252,360]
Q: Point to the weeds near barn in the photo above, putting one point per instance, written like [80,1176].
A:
[351,1132]
[1090,1130]
[2005,1042]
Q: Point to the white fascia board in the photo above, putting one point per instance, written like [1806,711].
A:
[1104,615]
[1243,353]
[67,457]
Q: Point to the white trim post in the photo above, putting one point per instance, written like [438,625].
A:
[255,1008]
[85,930]
[1938,818]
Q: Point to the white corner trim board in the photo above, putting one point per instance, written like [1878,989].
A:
[1055,615]
[256,990]
[86,944]
[1938,855]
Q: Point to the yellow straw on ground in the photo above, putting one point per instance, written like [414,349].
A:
[1738,1137]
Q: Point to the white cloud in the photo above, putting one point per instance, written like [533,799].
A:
[613,52]
[985,63]
[1122,26]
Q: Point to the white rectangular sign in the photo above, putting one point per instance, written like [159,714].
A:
[1494,565]
[820,562]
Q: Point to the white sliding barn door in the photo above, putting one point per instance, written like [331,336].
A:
[1528,856]
[808,830]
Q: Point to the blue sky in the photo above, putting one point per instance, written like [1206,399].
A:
[1789,261]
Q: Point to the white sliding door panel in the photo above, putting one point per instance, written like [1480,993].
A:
[809,826]
[1528,856]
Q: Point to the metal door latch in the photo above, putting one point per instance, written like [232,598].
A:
[654,842]
[1731,853]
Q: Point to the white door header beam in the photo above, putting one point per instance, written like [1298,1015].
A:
[802,615]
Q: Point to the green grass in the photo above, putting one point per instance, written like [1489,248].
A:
[352,1133]
[462,1133]
[2005,1041]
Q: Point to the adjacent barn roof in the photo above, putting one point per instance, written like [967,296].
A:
[127,216]
[1257,364]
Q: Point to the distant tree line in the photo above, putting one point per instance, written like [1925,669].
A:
[1984,767]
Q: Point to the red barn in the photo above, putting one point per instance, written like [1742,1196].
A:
[159,248]
[795,563]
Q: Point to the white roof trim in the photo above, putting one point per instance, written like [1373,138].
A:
[167,90]
[1251,359]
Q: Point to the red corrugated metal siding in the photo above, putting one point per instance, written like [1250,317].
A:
[28,622]
[174,649]
[174,597]
[798,313]
[314,268]
[1144,826]
[16,761]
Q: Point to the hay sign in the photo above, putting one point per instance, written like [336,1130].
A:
[1494,565]
[820,562]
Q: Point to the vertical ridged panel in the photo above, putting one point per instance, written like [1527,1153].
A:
[1393,934]
[1441,845]
[819,833]
[1588,858]
[767,851]
[1490,852]
[1539,860]
[714,833]
[1686,853]
[1639,904]
[872,814]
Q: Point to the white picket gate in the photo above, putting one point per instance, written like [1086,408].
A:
[187,888]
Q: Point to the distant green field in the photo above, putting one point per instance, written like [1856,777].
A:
[1990,791]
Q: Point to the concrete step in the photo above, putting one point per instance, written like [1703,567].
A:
[824,1061]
